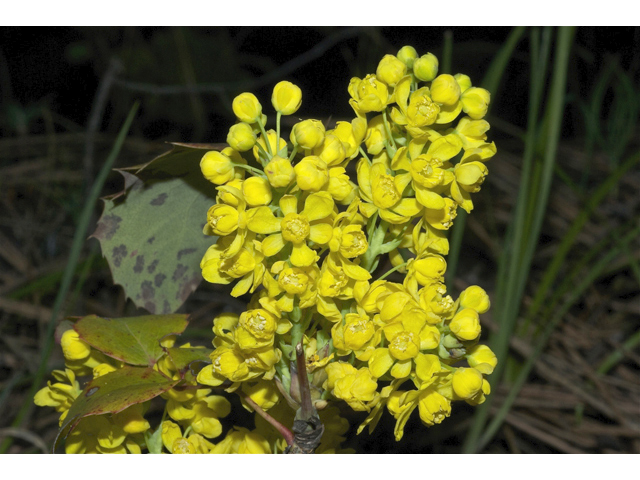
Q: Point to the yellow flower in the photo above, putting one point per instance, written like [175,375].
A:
[407,55]
[280,172]
[241,440]
[445,90]
[351,134]
[466,324]
[308,134]
[246,265]
[482,359]
[241,137]
[368,94]
[476,298]
[264,393]
[257,191]
[376,135]
[463,81]
[357,333]
[426,269]
[312,173]
[425,68]
[218,167]
[296,228]
[467,382]
[293,282]
[390,70]
[279,149]
[340,186]
[331,151]
[73,348]
[356,387]
[286,98]
[416,110]
[61,394]
[433,408]
[383,193]
[475,102]
[255,329]
[247,107]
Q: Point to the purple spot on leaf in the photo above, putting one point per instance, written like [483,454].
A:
[139,266]
[179,272]
[152,266]
[118,254]
[158,279]
[185,251]
[159,200]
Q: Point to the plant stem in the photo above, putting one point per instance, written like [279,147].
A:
[282,430]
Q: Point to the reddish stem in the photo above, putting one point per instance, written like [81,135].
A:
[284,431]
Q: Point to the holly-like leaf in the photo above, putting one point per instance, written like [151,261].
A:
[113,392]
[151,233]
[186,359]
[133,340]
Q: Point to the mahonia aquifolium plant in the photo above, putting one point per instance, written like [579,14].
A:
[295,228]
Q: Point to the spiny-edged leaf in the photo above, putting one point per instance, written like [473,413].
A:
[186,358]
[113,392]
[134,340]
[151,233]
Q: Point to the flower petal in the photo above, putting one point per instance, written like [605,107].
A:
[321,233]
[272,244]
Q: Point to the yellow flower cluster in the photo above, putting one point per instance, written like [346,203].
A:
[305,231]
[312,224]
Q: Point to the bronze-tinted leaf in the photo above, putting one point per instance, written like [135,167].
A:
[134,340]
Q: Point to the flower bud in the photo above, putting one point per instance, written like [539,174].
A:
[331,151]
[311,173]
[390,70]
[308,134]
[467,382]
[241,137]
[218,168]
[466,324]
[281,148]
[407,55]
[475,102]
[463,80]
[376,135]
[73,347]
[425,68]
[482,359]
[476,298]
[286,98]
[256,191]
[445,90]
[247,107]
[340,187]
[279,172]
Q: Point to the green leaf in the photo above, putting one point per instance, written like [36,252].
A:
[151,233]
[113,392]
[186,359]
[133,340]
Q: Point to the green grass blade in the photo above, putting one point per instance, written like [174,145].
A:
[76,248]
[551,273]
[579,289]
[531,205]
